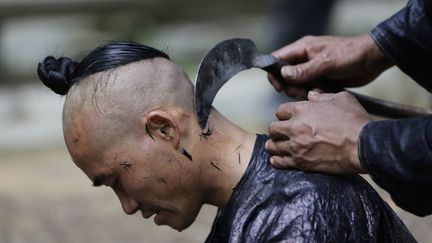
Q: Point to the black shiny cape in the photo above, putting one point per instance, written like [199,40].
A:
[270,205]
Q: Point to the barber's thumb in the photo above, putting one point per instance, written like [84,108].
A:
[282,162]
[313,95]
[316,96]
[297,74]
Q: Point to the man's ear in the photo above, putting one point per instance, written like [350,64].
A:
[162,125]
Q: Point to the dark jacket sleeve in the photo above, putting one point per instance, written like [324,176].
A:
[406,38]
[398,156]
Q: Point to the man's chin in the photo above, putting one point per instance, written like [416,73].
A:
[180,226]
[173,220]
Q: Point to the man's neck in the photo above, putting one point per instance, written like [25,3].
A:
[224,151]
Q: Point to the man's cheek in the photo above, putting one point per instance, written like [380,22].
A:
[169,185]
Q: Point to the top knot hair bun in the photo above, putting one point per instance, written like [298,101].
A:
[56,74]
[60,74]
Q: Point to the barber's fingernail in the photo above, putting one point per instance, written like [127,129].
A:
[266,144]
[276,85]
[313,92]
[287,72]
[271,160]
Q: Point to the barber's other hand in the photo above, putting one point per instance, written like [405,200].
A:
[341,61]
[320,134]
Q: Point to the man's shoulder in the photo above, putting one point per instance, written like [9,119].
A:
[265,178]
[319,203]
[271,204]
[323,185]
[306,192]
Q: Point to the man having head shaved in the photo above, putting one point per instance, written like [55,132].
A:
[129,124]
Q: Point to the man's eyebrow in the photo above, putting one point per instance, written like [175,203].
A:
[99,180]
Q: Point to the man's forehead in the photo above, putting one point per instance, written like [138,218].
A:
[77,138]
[77,128]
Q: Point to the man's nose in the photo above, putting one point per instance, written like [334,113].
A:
[129,205]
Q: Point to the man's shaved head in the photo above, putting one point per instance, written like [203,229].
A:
[115,85]
[112,102]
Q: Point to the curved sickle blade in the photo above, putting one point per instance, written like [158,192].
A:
[221,63]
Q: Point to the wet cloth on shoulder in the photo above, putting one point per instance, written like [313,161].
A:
[270,205]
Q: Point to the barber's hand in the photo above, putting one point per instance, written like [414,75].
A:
[340,61]
[320,134]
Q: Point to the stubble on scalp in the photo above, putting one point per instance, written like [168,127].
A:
[111,103]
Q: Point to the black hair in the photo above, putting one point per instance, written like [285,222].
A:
[60,74]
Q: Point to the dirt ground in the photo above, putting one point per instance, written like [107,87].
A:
[44,198]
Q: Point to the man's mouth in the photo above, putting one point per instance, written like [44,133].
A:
[160,215]
[148,214]
[159,218]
